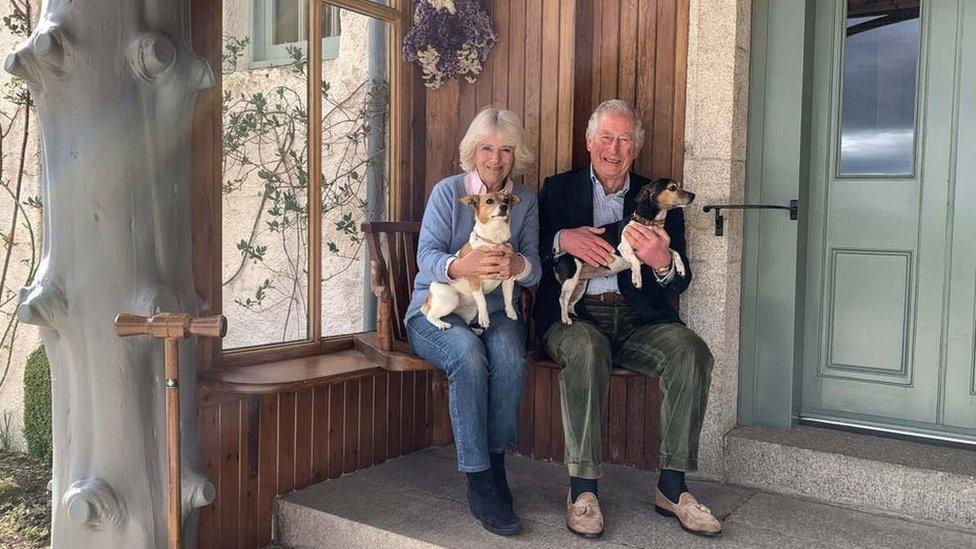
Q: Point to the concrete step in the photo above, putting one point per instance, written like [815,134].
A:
[909,479]
[418,501]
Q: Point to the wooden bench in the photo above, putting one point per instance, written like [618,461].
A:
[631,433]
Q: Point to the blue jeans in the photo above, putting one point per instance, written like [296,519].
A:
[484,375]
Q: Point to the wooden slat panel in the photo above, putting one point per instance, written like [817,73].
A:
[408,419]
[250,448]
[646,77]
[664,89]
[442,128]
[564,130]
[680,90]
[394,414]
[320,434]
[526,425]
[351,433]
[207,426]
[626,78]
[286,442]
[468,107]
[617,413]
[483,97]
[380,417]
[609,50]
[366,422]
[303,438]
[267,466]
[541,417]
[421,396]
[636,387]
[516,56]
[596,52]
[533,76]
[550,85]
[584,75]
[337,405]
[230,460]
[499,57]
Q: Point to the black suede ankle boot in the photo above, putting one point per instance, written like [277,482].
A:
[498,475]
[495,514]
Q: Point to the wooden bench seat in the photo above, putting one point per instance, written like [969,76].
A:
[631,432]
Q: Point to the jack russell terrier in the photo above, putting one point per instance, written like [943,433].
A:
[651,208]
[466,296]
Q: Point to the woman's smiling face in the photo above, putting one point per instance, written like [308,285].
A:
[493,159]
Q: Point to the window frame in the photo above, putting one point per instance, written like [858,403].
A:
[264,54]
[402,95]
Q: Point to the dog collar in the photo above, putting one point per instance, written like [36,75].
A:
[645,221]
[479,237]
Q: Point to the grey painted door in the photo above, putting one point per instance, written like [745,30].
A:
[889,309]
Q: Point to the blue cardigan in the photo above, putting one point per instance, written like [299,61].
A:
[447,226]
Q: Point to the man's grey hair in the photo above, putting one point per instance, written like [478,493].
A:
[616,106]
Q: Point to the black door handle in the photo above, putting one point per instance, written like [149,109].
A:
[720,219]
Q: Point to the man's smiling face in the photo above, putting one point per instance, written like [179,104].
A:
[613,147]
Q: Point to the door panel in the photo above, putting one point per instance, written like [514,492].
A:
[886,150]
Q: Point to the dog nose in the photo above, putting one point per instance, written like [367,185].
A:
[503,208]
[691,195]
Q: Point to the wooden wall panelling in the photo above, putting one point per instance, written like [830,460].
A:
[250,461]
[541,416]
[635,417]
[531,96]
[267,465]
[228,489]
[320,434]
[207,425]
[380,417]
[567,87]
[680,88]
[646,76]
[499,58]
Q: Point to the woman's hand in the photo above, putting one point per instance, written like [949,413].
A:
[481,262]
[496,262]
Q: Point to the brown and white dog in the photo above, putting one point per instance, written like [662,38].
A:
[650,208]
[466,296]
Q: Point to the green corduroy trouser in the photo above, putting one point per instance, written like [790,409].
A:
[586,352]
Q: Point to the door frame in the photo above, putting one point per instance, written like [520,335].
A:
[777,170]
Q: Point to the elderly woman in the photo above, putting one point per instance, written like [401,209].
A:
[485,372]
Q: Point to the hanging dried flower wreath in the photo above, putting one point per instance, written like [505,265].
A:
[449,39]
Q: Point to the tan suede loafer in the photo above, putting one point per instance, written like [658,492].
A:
[694,517]
[584,517]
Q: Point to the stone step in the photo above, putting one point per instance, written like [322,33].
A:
[910,479]
[418,501]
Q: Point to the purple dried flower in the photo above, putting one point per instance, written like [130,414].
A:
[446,44]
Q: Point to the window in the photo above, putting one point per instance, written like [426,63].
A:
[306,159]
[281,26]
[881,49]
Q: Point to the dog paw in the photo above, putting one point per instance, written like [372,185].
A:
[483,321]
[511,314]
[637,282]
[567,321]
[477,330]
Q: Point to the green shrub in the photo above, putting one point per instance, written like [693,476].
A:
[37,406]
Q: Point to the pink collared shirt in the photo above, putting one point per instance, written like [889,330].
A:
[475,186]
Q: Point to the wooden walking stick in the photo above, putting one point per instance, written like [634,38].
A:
[172,327]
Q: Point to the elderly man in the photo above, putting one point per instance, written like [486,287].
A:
[616,323]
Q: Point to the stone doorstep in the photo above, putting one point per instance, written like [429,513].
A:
[920,481]
[418,501]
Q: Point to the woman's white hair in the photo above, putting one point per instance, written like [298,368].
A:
[616,106]
[508,127]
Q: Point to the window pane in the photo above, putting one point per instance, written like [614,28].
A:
[287,21]
[330,21]
[355,146]
[264,191]
[880,65]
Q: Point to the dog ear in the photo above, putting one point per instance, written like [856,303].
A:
[645,192]
[470,200]
[515,198]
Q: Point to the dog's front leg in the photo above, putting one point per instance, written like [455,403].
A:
[627,252]
[478,293]
[508,293]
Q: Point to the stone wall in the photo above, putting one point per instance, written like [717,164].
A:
[715,154]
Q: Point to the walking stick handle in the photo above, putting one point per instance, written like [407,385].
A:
[209,326]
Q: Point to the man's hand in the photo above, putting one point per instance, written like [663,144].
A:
[586,244]
[651,244]
[481,262]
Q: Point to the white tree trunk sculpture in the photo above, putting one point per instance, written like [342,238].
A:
[114,83]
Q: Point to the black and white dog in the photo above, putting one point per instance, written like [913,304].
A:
[651,208]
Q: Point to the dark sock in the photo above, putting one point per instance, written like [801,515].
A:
[579,485]
[499,476]
[671,483]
